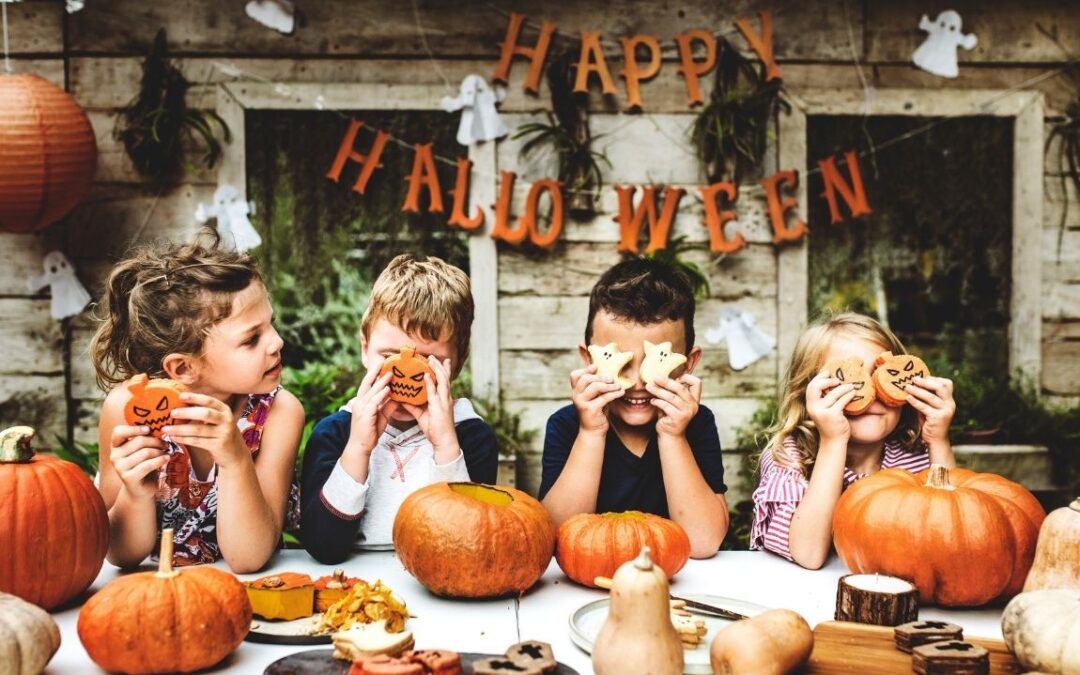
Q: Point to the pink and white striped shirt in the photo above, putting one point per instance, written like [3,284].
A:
[783,485]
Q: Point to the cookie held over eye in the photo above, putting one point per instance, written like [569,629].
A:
[609,362]
[152,402]
[659,361]
[852,371]
[893,372]
[407,378]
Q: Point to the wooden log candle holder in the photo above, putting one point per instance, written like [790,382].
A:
[876,599]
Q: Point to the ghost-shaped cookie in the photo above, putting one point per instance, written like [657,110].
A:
[68,295]
[609,362]
[659,361]
[232,214]
[937,54]
[480,120]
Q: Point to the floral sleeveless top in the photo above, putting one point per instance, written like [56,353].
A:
[189,505]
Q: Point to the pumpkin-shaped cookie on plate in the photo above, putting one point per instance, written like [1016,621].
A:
[851,370]
[893,372]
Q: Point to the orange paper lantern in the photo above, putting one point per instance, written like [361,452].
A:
[47,153]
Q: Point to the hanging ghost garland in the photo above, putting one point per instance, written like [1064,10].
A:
[937,54]
[480,120]
[276,14]
[68,295]
[746,343]
[232,214]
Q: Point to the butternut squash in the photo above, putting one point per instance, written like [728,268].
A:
[1057,554]
[772,643]
[638,636]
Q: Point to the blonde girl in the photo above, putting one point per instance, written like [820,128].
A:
[816,449]
[222,475]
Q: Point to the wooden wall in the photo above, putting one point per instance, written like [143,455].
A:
[46,378]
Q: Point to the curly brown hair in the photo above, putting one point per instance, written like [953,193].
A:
[164,300]
[645,291]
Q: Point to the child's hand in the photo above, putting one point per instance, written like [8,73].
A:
[825,402]
[368,417]
[137,457]
[591,395]
[436,418]
[678,402]
[208,424]
[932,397]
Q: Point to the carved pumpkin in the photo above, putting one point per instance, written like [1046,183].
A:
[28,637]
[591,545]
[1057,555]
[152,402]
[1042,629]
[407,381]
[892,372]
[929,527]
[469,540]
[852,371]
[54,529]
[166,621]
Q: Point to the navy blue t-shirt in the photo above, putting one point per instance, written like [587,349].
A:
[629,482]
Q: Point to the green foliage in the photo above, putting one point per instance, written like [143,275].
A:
[750,440]
[83,455]
[157,128]
[673,255]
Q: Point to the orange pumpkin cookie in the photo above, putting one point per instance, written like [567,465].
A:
[152,402]
[893,372]
[407,381]
[851,371]
[286,596]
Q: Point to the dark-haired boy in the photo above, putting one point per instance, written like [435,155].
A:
[648,447]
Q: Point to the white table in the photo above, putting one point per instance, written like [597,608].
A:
[490,626]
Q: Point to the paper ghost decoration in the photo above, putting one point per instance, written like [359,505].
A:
[937,54]
[72,6]
[276,14]
[480,120]
[68,295]
[232,218]
[745,341]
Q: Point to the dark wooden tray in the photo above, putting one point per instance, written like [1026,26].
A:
[322,662]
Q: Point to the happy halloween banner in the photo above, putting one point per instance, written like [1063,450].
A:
[718,198]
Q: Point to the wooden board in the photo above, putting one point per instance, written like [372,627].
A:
[321,662]
[841,647]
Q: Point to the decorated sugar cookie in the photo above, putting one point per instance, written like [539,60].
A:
[407,382]
[851,371]
[152,402]
[892,373]
[659,361]
[609,362]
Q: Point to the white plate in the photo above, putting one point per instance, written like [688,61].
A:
[586,621]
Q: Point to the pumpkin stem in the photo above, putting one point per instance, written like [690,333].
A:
[15,445]
[165,568]
[939,478]
[643,561]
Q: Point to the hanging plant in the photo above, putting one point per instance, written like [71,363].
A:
[157,127]
[732,130]
[566,132]
[672,255]
[1068,157]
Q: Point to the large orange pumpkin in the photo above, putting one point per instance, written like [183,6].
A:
[591,545]
[54,531]
[469,540]
[963,538]
[169,621]
[47,153]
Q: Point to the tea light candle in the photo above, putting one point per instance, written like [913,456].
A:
[876,599]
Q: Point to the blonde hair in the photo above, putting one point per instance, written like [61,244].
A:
[164,300]
[427,297]
[806,362]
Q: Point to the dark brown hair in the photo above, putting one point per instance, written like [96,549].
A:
[164,300]
[644,291]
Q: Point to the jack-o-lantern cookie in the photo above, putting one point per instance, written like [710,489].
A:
[893,372]
[407,381]
[852,371]
[659,361]
[609,362]
[152,402]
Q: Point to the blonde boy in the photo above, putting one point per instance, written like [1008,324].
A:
[364,460]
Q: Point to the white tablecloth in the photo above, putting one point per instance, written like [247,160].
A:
[490,626]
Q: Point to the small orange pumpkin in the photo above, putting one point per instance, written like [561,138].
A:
[591,545]
[931,527]
[169,621]
[54,530]
[152,402]
[469,540]
[893,372]
[407,381]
